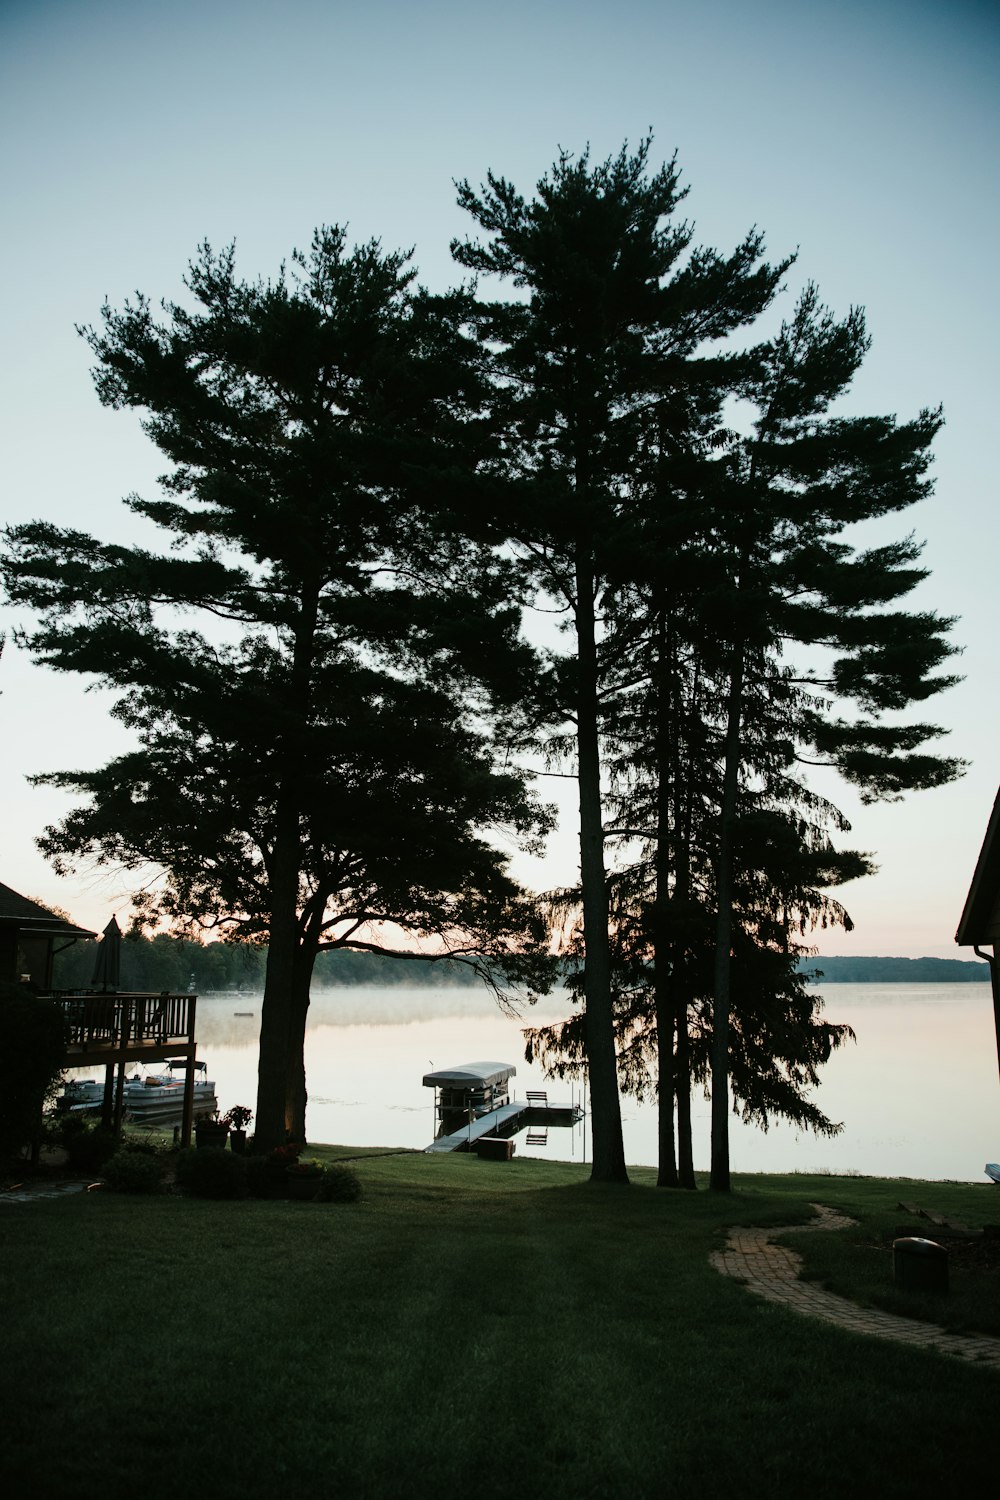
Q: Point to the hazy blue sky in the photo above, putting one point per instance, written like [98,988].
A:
[866,135]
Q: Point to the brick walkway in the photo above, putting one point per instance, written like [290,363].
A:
[31,1191]
[772,1271]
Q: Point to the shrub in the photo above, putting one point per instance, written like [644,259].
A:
[30,1064]
[142,1145]
[267,1174]
[339,1184]
[286,1156]
[211,1174]
[133,1172]
[87,1147]
[306,1166]
[265,1178]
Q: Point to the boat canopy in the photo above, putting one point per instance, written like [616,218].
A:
[474,1075]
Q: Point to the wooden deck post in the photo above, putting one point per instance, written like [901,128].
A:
[187,1118]
[108,1102]
[116,1123]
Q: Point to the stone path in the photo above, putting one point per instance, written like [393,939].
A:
[30,1191]
[772,1271]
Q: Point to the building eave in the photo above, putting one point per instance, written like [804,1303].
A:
[977,919]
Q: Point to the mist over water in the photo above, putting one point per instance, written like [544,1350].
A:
[918,1093]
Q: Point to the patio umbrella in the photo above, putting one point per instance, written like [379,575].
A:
[108,963]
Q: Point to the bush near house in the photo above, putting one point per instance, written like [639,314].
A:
[30,1064]
[130,1171]
[87,1147]
[339,1184]
[211,1174]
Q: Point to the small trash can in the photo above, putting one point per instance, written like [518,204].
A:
[920,1265]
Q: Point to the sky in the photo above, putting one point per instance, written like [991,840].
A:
[863,135]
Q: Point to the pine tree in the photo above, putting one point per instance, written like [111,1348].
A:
[304,669]
[731,551]
[616,305]
[797,482]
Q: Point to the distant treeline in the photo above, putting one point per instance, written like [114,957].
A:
[860,970]
[345,967]
[172,963]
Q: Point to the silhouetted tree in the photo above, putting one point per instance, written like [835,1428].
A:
[730,552]
[798,481]
[317,760]
[614,311]
[777,1038]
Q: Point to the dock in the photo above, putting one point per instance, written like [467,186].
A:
[505,1121]
[471,1103]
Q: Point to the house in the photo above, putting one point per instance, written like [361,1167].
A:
[109,1028]
[30,936]
[979,928]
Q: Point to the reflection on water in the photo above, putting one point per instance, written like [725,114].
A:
[918,1094]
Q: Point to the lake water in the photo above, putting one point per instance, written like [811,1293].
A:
[918,1093]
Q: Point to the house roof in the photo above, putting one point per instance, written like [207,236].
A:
[984,892]
[31,917]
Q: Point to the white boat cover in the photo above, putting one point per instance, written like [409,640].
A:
[474,1075]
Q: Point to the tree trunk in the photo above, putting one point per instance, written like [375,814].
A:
[720,1180]
[685,1142]
[683,800]
[296,1094]
[280,1092]
[663,966]
[606,1121]
[666,1174]
[273,1116]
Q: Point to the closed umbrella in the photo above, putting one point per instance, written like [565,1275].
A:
[108,964]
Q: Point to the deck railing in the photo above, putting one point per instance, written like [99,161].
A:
[106,1021]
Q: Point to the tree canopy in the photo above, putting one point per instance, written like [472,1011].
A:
[326,674]
[618,309]
[314,754]
[694,555]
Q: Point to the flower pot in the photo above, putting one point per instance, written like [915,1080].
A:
[238,1142]
[210,1135]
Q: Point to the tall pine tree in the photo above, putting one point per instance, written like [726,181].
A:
[788,578]
[616,305]
[304,669]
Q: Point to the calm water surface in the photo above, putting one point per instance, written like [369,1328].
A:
[918,1094]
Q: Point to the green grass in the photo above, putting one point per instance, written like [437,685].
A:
[858,1263]
[467,1326]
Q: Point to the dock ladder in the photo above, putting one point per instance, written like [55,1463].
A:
[539,1136]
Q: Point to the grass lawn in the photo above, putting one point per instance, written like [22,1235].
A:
[857,1263]
[467,1327]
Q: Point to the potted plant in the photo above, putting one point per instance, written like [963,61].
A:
[268,1172]
[304,1178]
[238,1118]
[211,1133]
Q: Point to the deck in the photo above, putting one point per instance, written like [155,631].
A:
[127,1027]
[115,1030]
